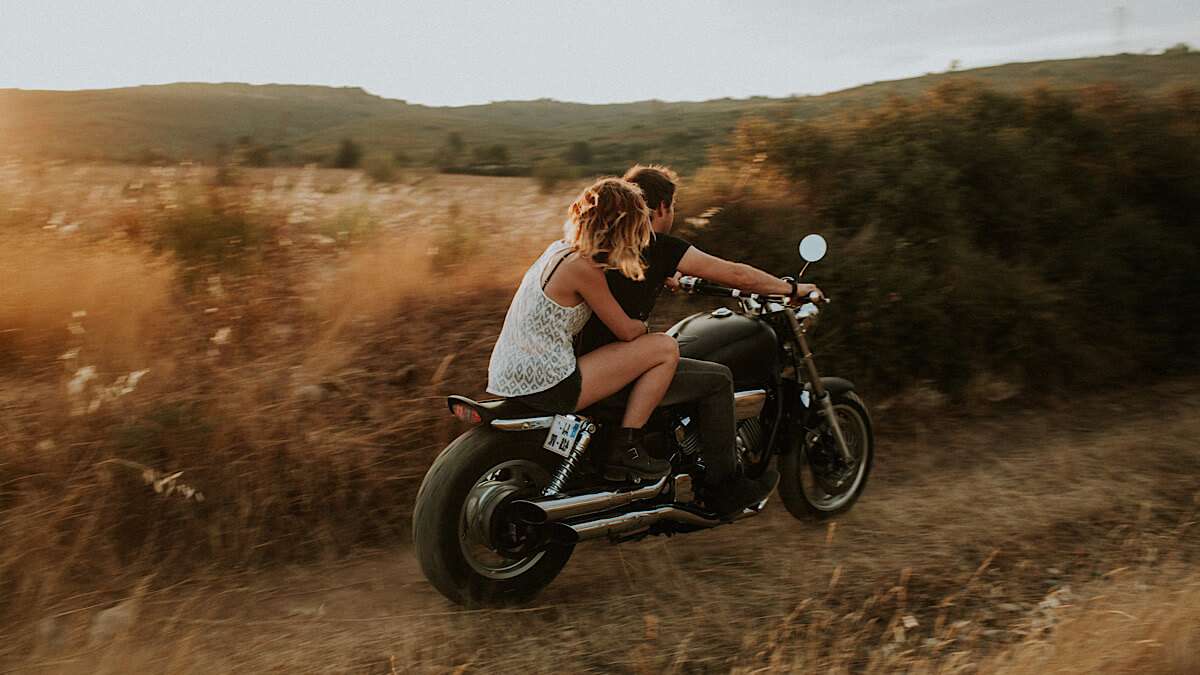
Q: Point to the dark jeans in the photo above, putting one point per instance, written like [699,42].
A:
[710,385]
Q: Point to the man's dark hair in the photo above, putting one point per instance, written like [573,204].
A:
[658,183]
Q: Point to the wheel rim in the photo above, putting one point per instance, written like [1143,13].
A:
[496,487]
[818,492]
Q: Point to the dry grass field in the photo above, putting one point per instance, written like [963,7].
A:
[209,445]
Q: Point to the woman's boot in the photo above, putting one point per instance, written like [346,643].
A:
[628,459]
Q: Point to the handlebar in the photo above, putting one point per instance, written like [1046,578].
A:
[699,286]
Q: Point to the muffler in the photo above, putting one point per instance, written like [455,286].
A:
[554,509]
[629,523]
[625,523]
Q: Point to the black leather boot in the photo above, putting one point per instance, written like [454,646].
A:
[627,459]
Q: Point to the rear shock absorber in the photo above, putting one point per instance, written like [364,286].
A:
[572,460]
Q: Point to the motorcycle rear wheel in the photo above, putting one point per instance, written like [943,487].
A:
[452,520]
[807,492]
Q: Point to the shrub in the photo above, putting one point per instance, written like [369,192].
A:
[579,154]
[492,154]
[550,172]
[210,235]
[348,155]
[381,170]
[1047,235]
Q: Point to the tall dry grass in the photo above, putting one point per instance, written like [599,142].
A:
[1022,542]
[59,296]
[168,411]
[1128,627]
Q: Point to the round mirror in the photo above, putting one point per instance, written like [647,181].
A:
[812,247]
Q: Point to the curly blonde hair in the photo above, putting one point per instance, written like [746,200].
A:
[611,225]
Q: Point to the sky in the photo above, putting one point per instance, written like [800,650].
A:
[458,52]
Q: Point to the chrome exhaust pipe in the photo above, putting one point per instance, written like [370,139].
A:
[551,510]
[626,523]
[630,523]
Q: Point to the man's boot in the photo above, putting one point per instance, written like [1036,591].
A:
[627,459]
[730,497]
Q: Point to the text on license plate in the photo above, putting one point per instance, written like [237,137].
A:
[563,433]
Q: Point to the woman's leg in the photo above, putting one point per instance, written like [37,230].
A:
[650,359]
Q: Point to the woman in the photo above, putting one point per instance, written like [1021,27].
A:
[533,360]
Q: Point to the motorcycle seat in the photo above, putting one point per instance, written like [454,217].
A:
[513,409]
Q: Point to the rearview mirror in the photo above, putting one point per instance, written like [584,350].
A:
[812,248]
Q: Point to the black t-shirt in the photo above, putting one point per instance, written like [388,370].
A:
[637,298]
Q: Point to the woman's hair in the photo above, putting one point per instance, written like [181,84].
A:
[611,225]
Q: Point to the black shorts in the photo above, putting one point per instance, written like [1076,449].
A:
[560,399]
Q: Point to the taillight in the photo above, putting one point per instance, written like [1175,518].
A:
[466,413]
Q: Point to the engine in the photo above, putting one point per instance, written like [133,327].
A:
[748,438]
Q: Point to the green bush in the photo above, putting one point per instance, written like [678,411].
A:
[492,154]
[1050,237]
[209,235]
[348,155]
[550,172]
[579,154]
[381,170]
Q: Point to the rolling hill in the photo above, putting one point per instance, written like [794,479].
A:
[294,124]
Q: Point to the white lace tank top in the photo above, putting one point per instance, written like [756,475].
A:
[534,350]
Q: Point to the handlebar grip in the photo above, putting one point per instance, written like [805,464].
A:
[702,287]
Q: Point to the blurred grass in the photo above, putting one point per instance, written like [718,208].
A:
[1017,542]
[287,353]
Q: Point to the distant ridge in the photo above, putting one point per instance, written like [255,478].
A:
[295,123]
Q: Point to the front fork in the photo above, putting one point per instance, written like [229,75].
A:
[800,333]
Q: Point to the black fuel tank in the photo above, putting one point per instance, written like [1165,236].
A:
[746,345]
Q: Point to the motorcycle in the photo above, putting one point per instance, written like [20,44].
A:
[501,509]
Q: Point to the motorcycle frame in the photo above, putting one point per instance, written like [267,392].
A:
[767,309]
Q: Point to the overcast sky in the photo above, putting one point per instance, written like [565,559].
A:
[453,52]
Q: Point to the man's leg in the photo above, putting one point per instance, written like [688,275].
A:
[710,385]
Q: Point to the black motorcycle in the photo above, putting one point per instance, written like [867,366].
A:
[501,509]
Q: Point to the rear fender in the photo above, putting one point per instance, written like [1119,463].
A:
[501,414]
[499,439]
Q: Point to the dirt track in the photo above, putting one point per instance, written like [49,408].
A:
[959,537]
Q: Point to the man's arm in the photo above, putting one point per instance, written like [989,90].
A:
[736,275]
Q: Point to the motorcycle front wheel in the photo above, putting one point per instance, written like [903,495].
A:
[814,484]
[466,547]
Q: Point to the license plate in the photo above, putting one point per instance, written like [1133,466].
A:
[563,433]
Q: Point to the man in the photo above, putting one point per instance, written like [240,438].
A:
[710,385]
